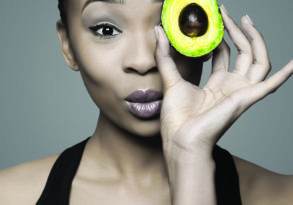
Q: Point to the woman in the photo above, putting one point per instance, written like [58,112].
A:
[146,158]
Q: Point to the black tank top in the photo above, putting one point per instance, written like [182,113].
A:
[58,185]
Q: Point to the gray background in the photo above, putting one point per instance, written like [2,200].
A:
[45,107]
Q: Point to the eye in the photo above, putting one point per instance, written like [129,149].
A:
[105,30]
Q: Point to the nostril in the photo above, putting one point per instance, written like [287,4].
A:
[141,71]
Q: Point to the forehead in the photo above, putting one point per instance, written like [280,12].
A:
[119,1]
[86,2]
[141,7]
[133,4]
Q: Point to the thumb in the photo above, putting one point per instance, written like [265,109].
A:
[166,64]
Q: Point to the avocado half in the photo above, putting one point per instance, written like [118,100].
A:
[193,27]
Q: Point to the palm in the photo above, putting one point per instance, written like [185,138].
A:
[221,85]
[185,102]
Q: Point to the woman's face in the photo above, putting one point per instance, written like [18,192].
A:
[118,58]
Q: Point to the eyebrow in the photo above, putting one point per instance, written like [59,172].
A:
[105,1]
[110,2]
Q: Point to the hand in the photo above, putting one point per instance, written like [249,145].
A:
[193,118]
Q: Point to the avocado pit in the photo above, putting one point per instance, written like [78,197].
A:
[193,21]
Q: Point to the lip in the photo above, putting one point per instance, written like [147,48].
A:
[146,110]
[144,104]
[140,96]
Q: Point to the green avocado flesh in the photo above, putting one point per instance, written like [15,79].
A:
[193,27]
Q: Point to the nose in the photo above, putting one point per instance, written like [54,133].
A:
[140,54]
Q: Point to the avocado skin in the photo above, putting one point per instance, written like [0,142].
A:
[192,46]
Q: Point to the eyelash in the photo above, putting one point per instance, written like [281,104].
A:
[95,29]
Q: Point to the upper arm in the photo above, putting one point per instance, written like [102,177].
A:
[259,185]
[283,187]
[15,186]
[23,184]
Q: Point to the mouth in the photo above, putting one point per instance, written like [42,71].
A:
[144,104]
[140,96]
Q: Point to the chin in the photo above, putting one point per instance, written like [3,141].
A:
[147,133]
[139,128]
[146,128]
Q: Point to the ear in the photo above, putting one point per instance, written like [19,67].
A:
[65,46]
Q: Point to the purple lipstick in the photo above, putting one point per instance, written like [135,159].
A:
[144,104]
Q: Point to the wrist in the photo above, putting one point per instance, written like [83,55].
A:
[185,155]
[195,162]
[187,180]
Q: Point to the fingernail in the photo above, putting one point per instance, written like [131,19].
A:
[224,9]
[249,19]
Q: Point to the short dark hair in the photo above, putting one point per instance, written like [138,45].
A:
[62,11]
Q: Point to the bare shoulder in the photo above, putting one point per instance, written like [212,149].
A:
[259,185]
[23,183]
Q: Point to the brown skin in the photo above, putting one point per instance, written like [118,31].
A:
[118,157]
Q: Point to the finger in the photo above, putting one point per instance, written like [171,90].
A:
[166,64]
[244,58]
[221,57]
[261,65]
[270,85]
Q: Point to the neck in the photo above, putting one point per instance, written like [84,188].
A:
[129,156]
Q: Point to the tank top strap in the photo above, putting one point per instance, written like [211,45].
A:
[58,185]
[226,178]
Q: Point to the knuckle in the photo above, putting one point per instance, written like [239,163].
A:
[271,89]
[245,49]
[268,66]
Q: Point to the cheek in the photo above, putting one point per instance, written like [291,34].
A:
[98,61]
[100,69]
